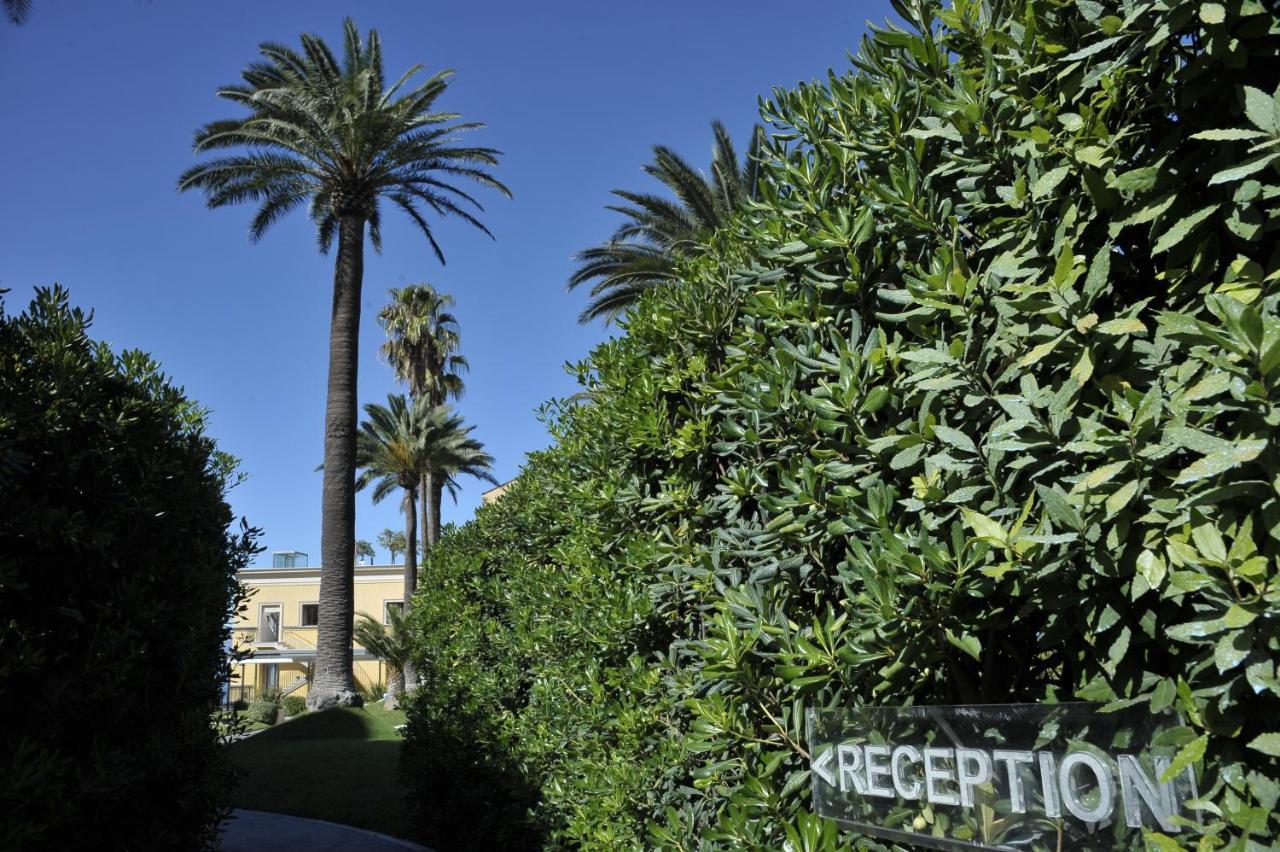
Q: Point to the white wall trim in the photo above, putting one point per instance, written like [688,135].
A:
[304,581]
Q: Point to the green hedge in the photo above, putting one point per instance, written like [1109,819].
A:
[976,406]
[117,578]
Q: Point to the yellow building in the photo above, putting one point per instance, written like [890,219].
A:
[279,623]
[492,495]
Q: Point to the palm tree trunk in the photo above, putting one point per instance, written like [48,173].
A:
[430,508]
[408,676]
[395,690]
[437,498]
[410,669]
[333,682]
[426,514]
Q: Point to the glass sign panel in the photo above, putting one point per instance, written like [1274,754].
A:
[1027,777]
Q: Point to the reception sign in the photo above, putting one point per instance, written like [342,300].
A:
[1017,776]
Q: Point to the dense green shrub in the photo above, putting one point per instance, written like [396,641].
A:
[263,711]
[975,406]
[117,578]
[293,705]
[508,633]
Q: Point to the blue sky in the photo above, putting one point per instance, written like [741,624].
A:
[98,103]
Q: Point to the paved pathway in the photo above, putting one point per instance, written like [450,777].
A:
[253,831]
[244,735]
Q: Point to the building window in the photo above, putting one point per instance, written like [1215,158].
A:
[269,623]
[310,615]
[398,606]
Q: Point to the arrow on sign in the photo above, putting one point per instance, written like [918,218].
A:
[822,766]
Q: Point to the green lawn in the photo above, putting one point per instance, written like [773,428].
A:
[248,726]
[339,765]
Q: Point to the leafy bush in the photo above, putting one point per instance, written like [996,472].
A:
[976,406]
[374,692]
[117,578]
[293,705]
[263,711]
[493,636]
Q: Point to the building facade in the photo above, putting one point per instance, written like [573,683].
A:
[279,622]
[492,495]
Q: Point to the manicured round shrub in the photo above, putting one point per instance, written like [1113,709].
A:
[293,705]
[118,562]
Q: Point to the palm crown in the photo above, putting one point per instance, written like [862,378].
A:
[398,441]
[392,643]
[643,252]
[422,342]
[333,136]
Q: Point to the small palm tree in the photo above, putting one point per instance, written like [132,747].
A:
[392,643]
[334,137]
[393,541]
[659,231]
[422,348]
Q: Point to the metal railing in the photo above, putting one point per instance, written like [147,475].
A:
[293,638]
[295,686]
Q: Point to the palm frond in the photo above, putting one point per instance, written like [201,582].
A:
[335,124]
[17,11]
[391,642]
[658,231]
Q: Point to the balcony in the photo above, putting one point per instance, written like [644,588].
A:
[289,638]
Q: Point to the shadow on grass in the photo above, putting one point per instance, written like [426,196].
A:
[338,723]
[339,765]
[465,793]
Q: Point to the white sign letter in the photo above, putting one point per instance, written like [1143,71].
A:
[980,762]
[1011,759]
[1135,783]
[877,768]
[1106,787]
[912,754]
[1049,784]
[849,761]
[933,773]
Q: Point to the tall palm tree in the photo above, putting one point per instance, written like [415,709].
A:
[391,451]
[392,643]
[335,137]
[659,231]
[422,347]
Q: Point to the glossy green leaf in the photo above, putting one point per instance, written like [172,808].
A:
[1182,229]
